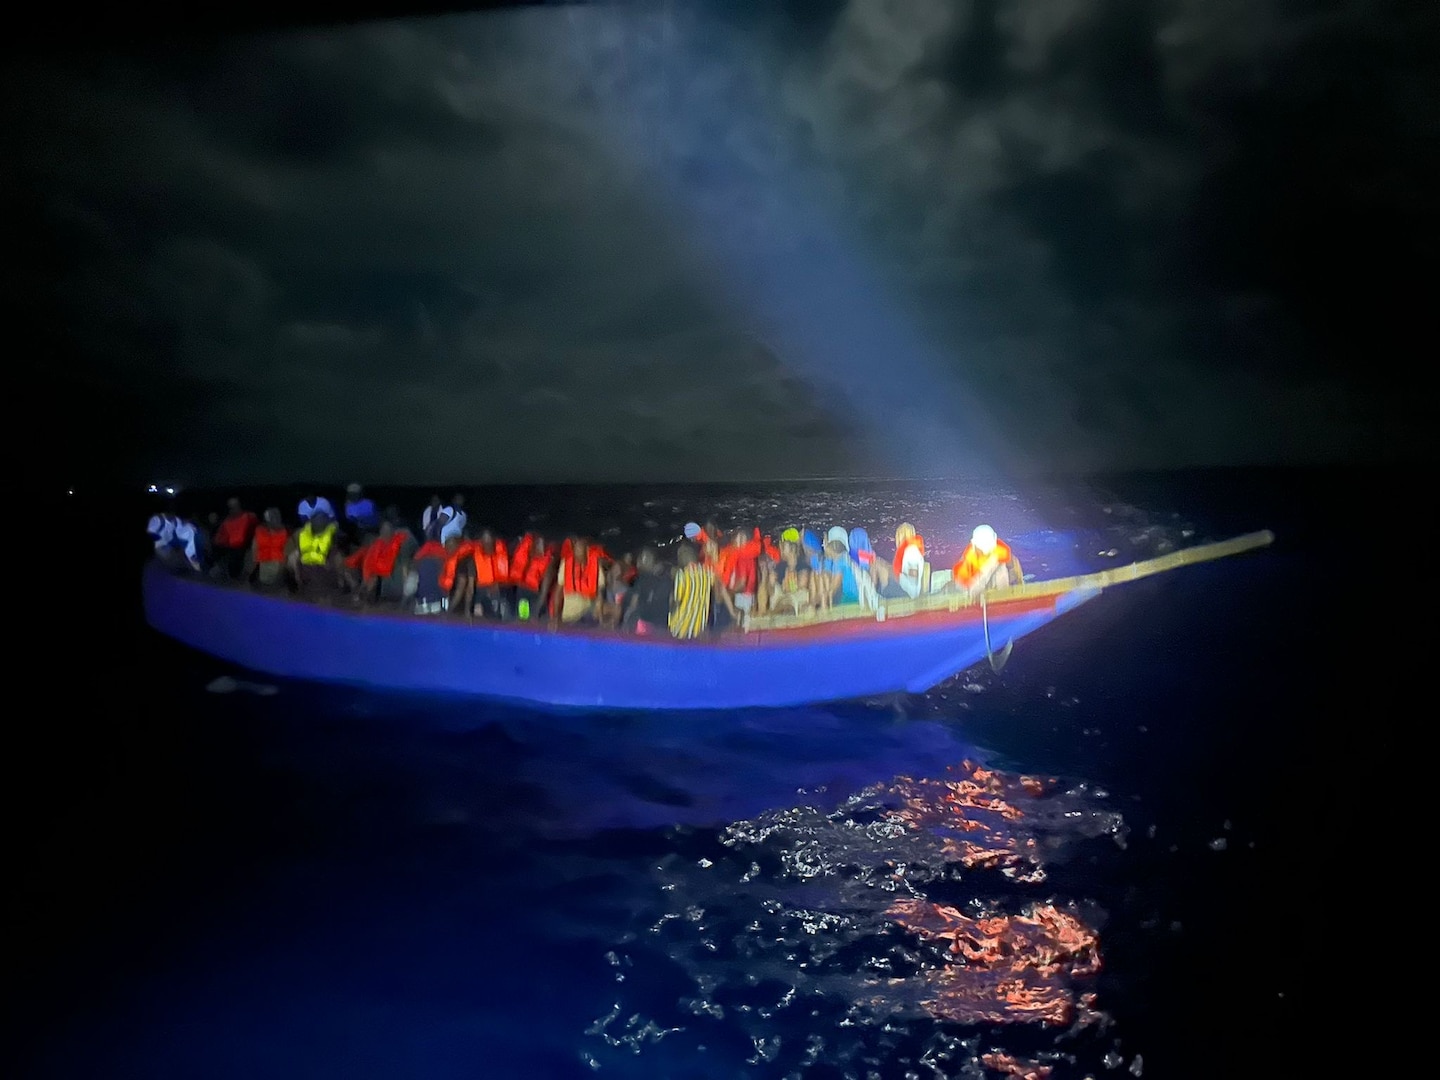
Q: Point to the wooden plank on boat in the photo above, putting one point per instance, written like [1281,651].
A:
[954,601]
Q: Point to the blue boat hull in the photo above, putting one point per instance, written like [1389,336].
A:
[595,669]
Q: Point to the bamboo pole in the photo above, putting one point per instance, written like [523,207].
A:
[954,601]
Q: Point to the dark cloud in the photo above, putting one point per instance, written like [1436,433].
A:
[733,240]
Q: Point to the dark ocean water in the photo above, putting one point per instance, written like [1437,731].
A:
[332,883]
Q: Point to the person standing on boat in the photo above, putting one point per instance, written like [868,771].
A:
[986,563]
[458,519]
[313,503]
[434,519]
[360,513]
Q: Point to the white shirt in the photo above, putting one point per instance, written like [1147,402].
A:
[433,514]
[308,508]
[162,529]
[455,526]
[912,569]
[185,537]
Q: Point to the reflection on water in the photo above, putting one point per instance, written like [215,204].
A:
[835,935]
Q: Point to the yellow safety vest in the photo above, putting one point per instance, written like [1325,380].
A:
[314,550]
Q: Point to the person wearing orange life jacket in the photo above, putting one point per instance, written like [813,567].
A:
[577,589]
[382,565]
[986,563]
[458,576]
[737,568]
[267,550]
[488,589]
[530,567]
[231,539]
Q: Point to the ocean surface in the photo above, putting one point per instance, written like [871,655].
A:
[1122,856]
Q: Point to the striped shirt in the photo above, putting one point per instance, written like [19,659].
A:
[690,603]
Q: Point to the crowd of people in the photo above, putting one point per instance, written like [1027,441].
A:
[717,580]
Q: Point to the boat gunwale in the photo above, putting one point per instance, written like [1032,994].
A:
[834,629]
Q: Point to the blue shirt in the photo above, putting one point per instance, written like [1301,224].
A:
[362,513]
[845,567]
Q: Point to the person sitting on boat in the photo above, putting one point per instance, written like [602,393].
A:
[314,556]
[986,563]
[231,539]
[736,566]
[458,575]
[492,590]
[869,571]
[267,550]
[786,587]
[696,590]
[530,571]
[311,503]
[177,542]
[647,603]
[909,565]
[383,565]
[576,591]
[840,579]
[161,529]
[361,517]
[618,579]
[427,568]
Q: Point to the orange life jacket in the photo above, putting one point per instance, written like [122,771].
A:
[380,557]
[492,568]
[582,579]
[968,568]
[527,569]
[270,544]
[735,566]
[452,561]
[235,532]
[917,541]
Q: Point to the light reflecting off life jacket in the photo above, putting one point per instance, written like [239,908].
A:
[967,568]
[314,550]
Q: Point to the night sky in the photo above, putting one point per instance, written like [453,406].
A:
[727,241]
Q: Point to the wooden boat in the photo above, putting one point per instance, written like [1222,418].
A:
[905,645]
